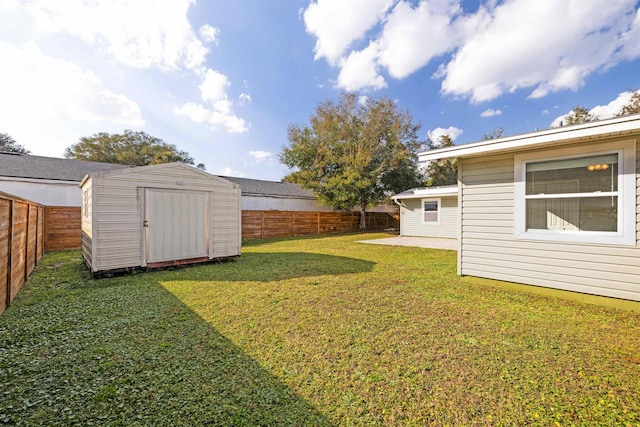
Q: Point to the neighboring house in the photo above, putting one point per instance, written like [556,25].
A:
[259,195]
[46,180]
[556,208]
[429,212]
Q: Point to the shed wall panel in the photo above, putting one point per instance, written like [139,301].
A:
[117,239]
[489,248]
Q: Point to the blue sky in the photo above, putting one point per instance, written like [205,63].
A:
[223,79]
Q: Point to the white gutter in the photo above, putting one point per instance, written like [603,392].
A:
[584,131]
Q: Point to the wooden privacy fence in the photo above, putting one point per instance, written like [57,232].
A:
[21,244]
[266,224]
[62,228]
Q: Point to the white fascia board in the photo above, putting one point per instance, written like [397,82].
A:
[37,180]
[584,132]
[426,193]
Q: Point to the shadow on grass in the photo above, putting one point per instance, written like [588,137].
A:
[272,266]
[131,354]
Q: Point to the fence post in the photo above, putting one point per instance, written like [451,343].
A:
[318,223]
[262,224]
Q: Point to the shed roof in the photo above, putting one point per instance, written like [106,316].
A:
[256,187]
[582,132]
[37,167]
[421,192]
[174,165]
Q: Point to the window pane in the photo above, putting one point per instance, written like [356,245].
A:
[430,210]
[574,214]
[579,175]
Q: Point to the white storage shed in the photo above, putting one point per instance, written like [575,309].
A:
[158,215]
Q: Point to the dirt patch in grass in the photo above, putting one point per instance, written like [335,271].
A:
[313,331]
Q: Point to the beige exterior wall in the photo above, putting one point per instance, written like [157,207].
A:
[118,237]
[411,223]
[489,249]
[86,216]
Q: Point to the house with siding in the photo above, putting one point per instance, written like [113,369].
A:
[46,180]
[429,211]
[557,208]
[52,181]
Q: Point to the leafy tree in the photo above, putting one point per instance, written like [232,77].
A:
[442,171]
[579,114]
[129,148]
[494,134]
[633,107]
[8,144]
[353,153]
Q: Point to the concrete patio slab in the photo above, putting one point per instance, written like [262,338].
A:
[420,242]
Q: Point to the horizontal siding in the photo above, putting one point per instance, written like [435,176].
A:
[118,213]
[489,249]
[411,219]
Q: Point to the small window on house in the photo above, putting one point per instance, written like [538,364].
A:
[431,211]
[583,198]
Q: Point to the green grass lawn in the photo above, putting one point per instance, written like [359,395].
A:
[317,331]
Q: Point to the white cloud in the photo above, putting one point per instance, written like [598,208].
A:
[214,86]
[145,34]
[337,24]
[244,98]
[138,33]
[565,42]
[490,113]
[359,71]
[613,107]
[402,44]
[435,134]
[544,46]
[217,117]
[227,171]
[601,111]
[53,99]
[260,156]
[362,99]
[209,34]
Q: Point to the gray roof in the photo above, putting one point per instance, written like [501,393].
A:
[37,167]
[251,187]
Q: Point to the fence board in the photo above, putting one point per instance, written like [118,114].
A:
[18,247]
[40,233]
[21,244]
[32,234]
[62,228]
[266,224]
[5,221]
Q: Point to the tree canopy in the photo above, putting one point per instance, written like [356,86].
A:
[354,153]
[441,171]
[129,148]
[632,107]
[8,144]
[579,114]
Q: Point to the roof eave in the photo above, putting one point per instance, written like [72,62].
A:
[582,132]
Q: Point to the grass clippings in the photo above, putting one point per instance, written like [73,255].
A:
[310,331]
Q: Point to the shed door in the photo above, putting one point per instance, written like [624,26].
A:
[177,226]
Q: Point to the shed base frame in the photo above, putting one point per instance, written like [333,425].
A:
[161,265]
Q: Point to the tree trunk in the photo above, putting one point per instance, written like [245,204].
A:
[363,216]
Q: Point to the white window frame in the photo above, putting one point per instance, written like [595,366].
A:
[626,234]
[432,199]
[85,203]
